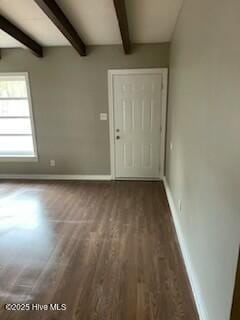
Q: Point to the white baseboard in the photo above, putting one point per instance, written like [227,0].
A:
[56,177]
[187,260]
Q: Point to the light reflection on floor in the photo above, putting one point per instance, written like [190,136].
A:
[23,214]
[27,240]
[24,228]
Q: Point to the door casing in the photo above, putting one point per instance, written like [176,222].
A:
[162,133]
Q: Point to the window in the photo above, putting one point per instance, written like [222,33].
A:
[17,139]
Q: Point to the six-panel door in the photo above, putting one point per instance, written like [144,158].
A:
[137,120]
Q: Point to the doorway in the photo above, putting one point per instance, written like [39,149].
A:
[137,113]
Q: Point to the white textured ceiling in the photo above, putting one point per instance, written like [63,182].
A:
[150,21]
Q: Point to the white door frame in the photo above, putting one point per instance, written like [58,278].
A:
[162,133]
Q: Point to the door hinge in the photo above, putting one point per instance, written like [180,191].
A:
[162,85]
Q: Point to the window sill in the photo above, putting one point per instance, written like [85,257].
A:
[18,159]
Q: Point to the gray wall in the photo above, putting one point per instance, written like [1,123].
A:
[203,169]
[68,93]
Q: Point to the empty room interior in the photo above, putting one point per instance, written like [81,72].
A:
[119,172]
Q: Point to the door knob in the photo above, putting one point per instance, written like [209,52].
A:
[117,137]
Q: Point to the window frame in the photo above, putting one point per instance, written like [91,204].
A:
[23,158]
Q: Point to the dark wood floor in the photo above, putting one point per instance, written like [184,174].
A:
[107,250]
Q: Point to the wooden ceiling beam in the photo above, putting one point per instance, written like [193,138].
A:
[57,16]
[121,13]
[20,36]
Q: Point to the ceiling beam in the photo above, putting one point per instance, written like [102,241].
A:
[20,36]
[57,16]
[121,13]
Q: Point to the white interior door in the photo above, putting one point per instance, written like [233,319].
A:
[137,114]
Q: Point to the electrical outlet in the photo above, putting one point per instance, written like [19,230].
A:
[52,163]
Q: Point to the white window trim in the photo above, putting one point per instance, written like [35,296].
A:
[19,158]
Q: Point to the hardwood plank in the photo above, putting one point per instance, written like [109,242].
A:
[106,249]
